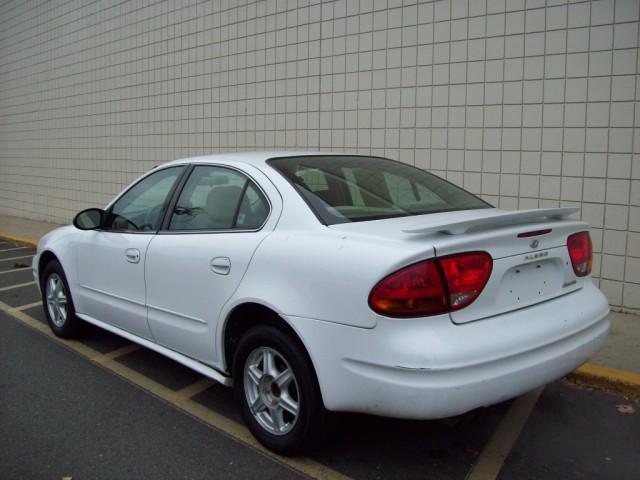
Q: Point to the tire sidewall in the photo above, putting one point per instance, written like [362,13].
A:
[70,327]
[307,427]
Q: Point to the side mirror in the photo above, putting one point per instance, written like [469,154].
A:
[89,219]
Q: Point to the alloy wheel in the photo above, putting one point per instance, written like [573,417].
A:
[56,300]
[271,390]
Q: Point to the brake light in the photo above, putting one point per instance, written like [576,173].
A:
[435,286]
[413,291]
[581,253]
[466,275]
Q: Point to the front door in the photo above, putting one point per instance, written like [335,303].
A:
[111,261]
[196,263]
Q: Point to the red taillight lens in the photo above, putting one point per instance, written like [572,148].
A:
[581,253]
[414,291]
[466,276]
[432,287]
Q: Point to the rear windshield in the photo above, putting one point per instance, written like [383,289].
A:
[343,189]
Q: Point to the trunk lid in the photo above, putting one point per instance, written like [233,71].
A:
[526,269]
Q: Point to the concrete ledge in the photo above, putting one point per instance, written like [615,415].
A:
[621,381]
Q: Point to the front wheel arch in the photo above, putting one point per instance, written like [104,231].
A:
[45,258]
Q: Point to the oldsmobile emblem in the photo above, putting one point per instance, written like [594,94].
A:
[534,244]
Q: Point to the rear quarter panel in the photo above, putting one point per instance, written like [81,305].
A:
[323,274]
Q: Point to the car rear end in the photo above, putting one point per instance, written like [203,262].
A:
[471,306]
[491,314]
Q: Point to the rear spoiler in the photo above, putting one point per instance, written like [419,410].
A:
[495,220]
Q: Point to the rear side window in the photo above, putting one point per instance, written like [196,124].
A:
[218,198]
[345,188]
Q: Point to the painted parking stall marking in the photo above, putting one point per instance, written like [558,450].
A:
[475,447]
[124,361]
[21,257]
[13,249]
[19,285]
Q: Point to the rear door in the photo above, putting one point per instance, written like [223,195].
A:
[197,261]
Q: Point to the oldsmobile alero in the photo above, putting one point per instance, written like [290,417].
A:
[316,283]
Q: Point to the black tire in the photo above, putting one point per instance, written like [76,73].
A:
[307,428]
[64,326]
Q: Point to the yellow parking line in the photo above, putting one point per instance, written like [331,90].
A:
[120,352]
[179,400]
[29,305]
[14,248]
[15,258]
[495,452]
[194,389]
[3,272]
[17,285]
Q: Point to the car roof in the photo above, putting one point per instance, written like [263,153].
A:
[253,158]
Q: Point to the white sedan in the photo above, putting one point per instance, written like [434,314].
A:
[318,283]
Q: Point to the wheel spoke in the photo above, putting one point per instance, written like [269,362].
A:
[254,374]
[289,404]
[284,378]
[257,406]
[276,417]
[52,286]
[269,363]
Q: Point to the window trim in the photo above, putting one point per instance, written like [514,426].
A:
[184,167]
[315,155]
[164,230]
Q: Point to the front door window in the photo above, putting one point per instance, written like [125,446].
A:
[140,209]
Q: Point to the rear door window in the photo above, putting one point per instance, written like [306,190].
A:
[218,198]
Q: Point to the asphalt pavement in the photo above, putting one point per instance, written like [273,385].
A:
[102,407]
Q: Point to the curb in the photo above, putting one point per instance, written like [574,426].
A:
[621,381]
[627,383]
[19,240]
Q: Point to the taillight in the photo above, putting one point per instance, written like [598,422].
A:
[466,276]
[581,253]
[411,292]
[435,286]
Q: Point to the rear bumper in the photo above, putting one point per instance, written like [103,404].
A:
[432,368]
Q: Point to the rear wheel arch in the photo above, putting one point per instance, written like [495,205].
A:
[245,316]
[280,399]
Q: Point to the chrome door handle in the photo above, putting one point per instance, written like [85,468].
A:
[133,255]
[220,265]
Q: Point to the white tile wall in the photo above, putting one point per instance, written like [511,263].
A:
[527,103]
